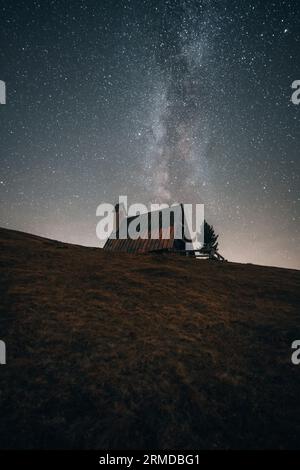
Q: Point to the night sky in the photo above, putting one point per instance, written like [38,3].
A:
[163,101]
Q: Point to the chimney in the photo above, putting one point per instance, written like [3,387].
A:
[120,215]
[117,221]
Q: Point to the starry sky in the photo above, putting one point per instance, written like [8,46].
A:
[163,101]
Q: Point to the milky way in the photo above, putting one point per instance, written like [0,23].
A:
[176,158]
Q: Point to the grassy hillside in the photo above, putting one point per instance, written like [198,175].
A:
[107,351]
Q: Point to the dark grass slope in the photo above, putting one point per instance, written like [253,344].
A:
[131,351]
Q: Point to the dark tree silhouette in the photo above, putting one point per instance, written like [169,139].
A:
[210,238]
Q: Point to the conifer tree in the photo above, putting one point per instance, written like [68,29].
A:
[210,237]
